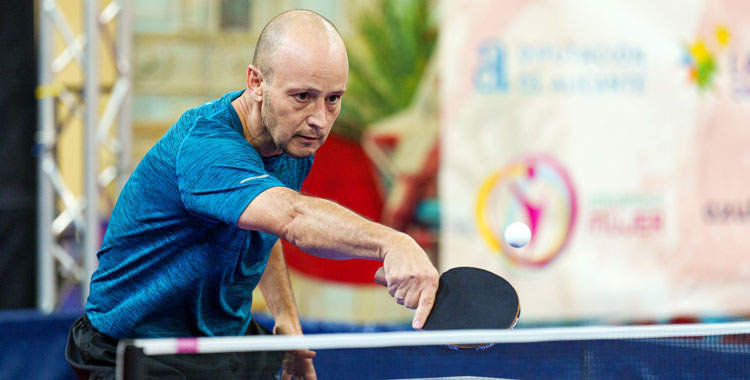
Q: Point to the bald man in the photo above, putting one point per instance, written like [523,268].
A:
[197,226]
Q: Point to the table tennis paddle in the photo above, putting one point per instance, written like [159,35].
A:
[470,298]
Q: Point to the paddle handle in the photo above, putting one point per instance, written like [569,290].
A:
[379,277]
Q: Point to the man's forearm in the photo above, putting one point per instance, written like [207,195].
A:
[323,228]
[326,229]
[276,288]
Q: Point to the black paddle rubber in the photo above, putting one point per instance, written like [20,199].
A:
[473,298]
[470,298]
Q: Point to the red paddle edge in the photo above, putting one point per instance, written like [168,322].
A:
[379,277]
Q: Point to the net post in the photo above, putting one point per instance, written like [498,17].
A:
[129,361]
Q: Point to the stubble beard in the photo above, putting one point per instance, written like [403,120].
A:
[270,124]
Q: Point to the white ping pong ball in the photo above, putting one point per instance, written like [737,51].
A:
[517,235]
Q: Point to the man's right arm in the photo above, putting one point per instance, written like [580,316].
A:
[326,229]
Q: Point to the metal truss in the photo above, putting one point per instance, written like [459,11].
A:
[69,227]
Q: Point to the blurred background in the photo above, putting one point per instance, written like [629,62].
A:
[618,131]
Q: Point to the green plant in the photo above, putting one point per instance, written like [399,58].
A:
[393,44]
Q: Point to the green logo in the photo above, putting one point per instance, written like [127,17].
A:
[700,57]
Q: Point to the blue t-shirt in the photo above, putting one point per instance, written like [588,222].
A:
[173,261]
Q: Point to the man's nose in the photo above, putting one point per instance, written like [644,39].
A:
[317,119]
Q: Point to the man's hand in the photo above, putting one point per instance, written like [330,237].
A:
[297,363]
[412,279]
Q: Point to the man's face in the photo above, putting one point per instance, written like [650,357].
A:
[303,98]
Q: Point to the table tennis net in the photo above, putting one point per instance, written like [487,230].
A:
[696,351]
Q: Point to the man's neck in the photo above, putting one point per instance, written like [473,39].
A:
[252,125]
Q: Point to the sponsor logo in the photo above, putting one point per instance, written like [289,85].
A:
[727,211]
[491,75]
[699,57]
[704,59]
[739,72]
[535,190]
[560,68]
[626,215]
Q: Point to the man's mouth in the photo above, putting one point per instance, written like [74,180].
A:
[311,138]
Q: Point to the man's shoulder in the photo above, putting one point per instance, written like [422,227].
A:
[215,111]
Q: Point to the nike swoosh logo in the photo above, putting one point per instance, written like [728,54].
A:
[252,178]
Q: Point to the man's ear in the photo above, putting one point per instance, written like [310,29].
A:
[254,82]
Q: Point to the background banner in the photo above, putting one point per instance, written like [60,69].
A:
[620,133]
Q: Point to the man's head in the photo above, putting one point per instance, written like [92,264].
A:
[298,76]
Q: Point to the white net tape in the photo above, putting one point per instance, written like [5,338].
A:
[168,346]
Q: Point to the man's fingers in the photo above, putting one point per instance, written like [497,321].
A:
[401,295]
[411,300]
[426,301]
[401,290]
[298,365]
[304,354]
[392,289]
[414,290]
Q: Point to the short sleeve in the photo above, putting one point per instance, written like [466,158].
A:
[219,173]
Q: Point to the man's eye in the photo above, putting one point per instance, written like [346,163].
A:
[334,98]
[302,96]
